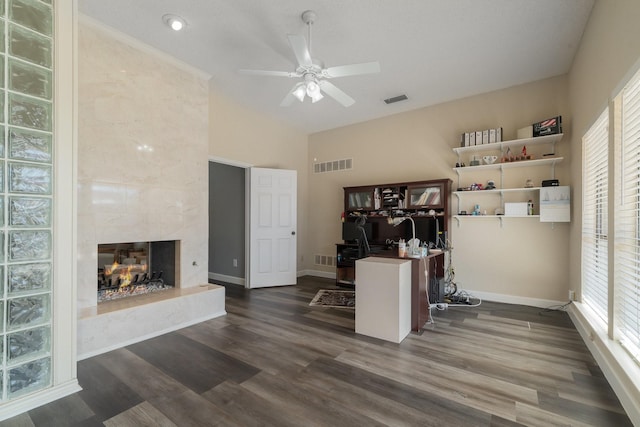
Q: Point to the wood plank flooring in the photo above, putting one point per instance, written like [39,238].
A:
[276,361]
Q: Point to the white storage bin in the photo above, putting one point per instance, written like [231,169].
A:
[515,209]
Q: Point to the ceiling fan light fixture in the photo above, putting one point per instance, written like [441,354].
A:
[316,97]
[313,89]
[300,92]
[174,22]
[314,82]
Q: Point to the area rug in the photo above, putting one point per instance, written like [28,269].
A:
[334,298]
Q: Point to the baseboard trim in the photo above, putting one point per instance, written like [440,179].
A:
[317,273]
[228,279]
[514,299]
[31,401]
[488,296]
[620,370]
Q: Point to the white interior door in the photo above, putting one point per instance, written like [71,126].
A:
[271,241]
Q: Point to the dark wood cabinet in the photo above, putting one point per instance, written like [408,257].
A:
[358,199]
[408,197]
[427,196]
[346,256]
[426,202]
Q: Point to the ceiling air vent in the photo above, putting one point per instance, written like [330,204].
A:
[395,99]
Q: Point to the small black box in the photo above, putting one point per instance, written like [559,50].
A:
[550,183]
[550,126]
[436,290]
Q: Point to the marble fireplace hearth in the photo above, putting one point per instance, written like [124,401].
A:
[121,322]
[130,316]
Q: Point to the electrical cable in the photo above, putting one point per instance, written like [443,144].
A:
[426,276]
[451,290]
[552,308]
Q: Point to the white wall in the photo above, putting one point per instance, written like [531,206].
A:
[130,96]
[241,136]
[609,49]
[608,54]
[523,259]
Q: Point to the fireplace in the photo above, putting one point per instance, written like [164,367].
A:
[136,268]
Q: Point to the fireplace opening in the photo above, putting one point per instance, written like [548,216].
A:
[135,268]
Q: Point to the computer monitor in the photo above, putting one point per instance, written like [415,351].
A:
[428,228]
[359,232]
[350,233]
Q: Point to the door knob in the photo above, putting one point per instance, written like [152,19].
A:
[293,233]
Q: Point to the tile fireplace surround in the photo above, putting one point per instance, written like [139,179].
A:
[142,176]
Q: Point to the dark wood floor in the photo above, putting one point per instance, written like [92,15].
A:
[275,361]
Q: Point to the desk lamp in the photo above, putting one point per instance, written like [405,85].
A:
[414,244]
[363,242]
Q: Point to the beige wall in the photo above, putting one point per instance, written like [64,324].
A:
[524,258]
[126,194]
[240,135]
[609,50]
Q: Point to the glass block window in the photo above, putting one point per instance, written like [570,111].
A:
[26,199]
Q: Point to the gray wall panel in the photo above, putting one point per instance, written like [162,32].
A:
[226,219]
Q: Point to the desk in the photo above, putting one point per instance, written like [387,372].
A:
[434,266]
[347,255]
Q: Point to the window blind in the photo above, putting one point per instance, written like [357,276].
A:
[627,224]
[595,216]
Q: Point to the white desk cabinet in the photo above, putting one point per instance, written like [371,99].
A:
[383,298]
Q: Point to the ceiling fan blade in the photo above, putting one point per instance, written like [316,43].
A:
[269,73]
[337,94]
[300,49]
[352,70]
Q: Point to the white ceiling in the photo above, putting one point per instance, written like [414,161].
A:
[431,50]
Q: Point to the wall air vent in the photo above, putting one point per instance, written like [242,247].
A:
[395,99]
[333,166]
[325,260]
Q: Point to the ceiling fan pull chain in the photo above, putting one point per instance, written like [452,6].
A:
[310,24]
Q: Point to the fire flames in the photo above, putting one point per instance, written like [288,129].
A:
[124,272]
[108,271]
[125,278]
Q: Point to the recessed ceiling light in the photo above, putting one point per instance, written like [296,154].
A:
[175,22]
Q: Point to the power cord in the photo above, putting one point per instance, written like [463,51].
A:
[454,297]
[560,307]
[426,276]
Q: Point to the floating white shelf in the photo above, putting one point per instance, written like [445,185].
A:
[494,216]
[519,164]
[496,191]
[458,218]
[549,139]
[501,147]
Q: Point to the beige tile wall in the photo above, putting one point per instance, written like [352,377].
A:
[142,156]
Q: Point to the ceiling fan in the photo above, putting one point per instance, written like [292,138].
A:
[314,75]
